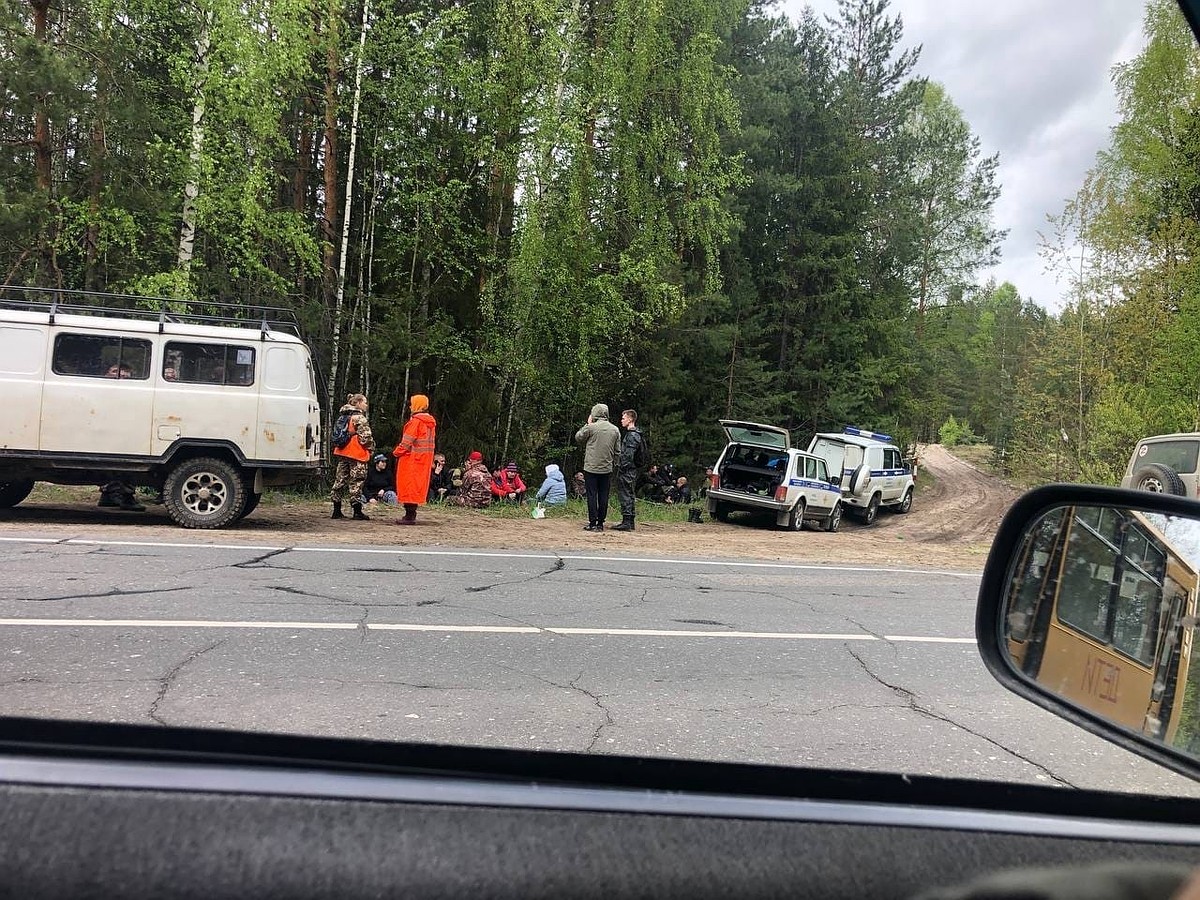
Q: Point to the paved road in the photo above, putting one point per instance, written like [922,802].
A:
[788,664]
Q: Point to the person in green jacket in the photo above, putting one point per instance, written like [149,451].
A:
[601,440]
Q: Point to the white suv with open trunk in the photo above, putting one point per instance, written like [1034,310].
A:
[871,468]
[759,471]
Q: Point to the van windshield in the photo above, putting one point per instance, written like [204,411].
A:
[1179,455]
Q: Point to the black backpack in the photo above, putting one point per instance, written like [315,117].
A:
[641,453]
[341,432]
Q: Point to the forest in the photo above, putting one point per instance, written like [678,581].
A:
[696,208]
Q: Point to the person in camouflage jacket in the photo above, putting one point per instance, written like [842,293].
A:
[352,459]
[476,490]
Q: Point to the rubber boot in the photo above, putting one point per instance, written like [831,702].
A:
[410,514]
[337,510]
[626,524]
[358,513]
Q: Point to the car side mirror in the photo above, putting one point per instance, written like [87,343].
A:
[1088,607]
[836,481]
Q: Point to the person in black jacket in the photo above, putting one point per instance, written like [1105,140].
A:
[380,486]
[441,484]
[633,453]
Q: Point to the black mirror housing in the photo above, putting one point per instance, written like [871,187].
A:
[1044,558]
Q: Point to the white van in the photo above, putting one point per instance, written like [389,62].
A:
[207,406]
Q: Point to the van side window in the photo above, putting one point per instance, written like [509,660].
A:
[101,356]
[891,459]
[822,471]
[810,467]
[227,364]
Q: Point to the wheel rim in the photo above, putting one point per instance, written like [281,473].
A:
[836,519]
[204,494]
[1152,484]
[907,504]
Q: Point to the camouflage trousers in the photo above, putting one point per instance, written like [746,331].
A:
[350,473]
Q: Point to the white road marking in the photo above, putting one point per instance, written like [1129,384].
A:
[495,554]
[471,629]
[173,623]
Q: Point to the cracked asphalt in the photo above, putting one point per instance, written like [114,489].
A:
[792,665]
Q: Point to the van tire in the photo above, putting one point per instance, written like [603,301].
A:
[834,521]
[871,513]
[205,492]
[1158,479]
[13,492]
[795,520]
[906,504]
[719,511]
[251,504]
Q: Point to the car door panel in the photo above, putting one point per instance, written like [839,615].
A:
[81,841]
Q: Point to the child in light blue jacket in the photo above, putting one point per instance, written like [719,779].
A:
[553,491]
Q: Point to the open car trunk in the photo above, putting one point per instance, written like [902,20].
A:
[753,470]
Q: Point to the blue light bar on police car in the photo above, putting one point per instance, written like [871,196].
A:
[869,435]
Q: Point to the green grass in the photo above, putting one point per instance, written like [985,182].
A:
[577,509]
[979,455]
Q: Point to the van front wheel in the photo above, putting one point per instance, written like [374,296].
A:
[204,493]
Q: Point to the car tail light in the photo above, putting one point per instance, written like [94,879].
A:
[781,493]
[714,480]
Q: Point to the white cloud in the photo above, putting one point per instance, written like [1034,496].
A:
[1033,78]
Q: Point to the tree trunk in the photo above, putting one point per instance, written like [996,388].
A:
[329,211]
[98,157]
[342,253]
[43,153]
[329,208]
[191,189]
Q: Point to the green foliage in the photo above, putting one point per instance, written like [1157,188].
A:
[690,207]
[953,432]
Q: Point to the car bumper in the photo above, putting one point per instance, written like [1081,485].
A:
[748,501]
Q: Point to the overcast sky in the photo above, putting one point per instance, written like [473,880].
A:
[1033,78]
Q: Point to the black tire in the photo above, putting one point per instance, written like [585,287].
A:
[795,520]
[719,511]
[834,521]
[205,493]
[905,504]
[251,504]
[13,492]
[1158,479]
[871,513]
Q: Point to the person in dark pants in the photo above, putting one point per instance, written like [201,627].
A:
[633,453]
[601,441]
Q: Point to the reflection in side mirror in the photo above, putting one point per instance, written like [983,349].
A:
[1099,609]
[836,481]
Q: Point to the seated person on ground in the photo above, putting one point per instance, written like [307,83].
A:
[380,486]
[512,488]
[439,479]
[553,491]
[476,491]
[680,492]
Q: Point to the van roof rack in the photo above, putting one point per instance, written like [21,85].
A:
[161,309]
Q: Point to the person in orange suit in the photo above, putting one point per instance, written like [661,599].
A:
[414,458]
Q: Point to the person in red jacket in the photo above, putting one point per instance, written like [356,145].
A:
[414,458]
[514,487]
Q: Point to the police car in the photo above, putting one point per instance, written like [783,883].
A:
[759,471]
[871,469]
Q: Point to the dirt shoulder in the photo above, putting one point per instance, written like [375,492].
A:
[953,518]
